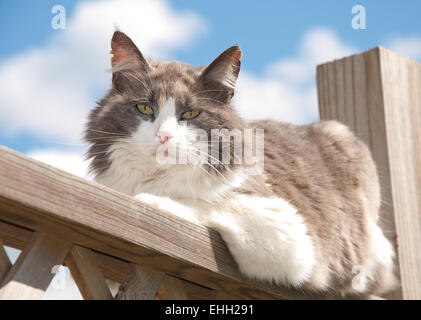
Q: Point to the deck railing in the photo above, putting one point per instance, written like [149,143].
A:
[56,218]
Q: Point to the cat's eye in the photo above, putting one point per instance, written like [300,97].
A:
[145,109]
[190,114]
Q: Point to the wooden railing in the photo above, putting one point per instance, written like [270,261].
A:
[56,218]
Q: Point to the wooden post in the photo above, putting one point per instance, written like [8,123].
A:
[87,274]
[140,284]
[378,94]
[30,276]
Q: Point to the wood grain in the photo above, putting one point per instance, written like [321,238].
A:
[13,236]
[379,97]
[174,288]
[5,263]
[16,237]
[31,274]
[140,284]
[39,197]
[402,110]
[87,274]
[112,268]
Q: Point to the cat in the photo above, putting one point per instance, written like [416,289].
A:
[309,220]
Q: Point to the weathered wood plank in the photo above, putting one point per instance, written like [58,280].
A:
[112,268]
[174,288]
[38,197]
[383,107]
[192,290]
[140,284]
[16,237]
[197,292]
[30,276]
[5,263]
[401,83]
[87,274]
[13,236]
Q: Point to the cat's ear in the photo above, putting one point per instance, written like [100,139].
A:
[222,73]
[125,55]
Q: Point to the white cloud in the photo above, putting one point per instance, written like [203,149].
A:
[70,161]
[287,89]
[62,287]
[409,46]
[49,91]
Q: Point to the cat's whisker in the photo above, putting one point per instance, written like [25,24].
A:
[203,98]
[99,152]
[212,166]
[67,143]
[196,94]
[146,87]
[212,157]
[200,167]
[111,139]
[107,132]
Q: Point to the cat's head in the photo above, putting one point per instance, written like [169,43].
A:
[155,106]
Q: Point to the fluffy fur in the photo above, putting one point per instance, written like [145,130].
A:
[308,221]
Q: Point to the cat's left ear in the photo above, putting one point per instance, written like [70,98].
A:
[125,55]
[222,73]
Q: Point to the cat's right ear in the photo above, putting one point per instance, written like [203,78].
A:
[218,78]
[126,55]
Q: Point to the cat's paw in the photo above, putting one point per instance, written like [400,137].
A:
[169,205]
[267,238]
[150,199]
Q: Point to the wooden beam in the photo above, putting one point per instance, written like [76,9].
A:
[16,237]
[140,284]
[87,274]
[5,263]
[378,94]
[31,274]
[197,292]
[39,197]
[174,288]
[13,236]
[112,268]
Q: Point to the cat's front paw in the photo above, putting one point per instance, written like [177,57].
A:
[169,205]
[150,199]
[267,238]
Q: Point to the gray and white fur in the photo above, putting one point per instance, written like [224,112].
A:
[309,221]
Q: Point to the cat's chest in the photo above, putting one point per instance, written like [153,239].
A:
[174,183]
[132,181]
[135,176]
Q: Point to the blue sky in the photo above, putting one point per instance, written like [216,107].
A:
[267,31]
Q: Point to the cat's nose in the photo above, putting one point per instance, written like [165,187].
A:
[163,136]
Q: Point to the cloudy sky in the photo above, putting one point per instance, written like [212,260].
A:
[50,79]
